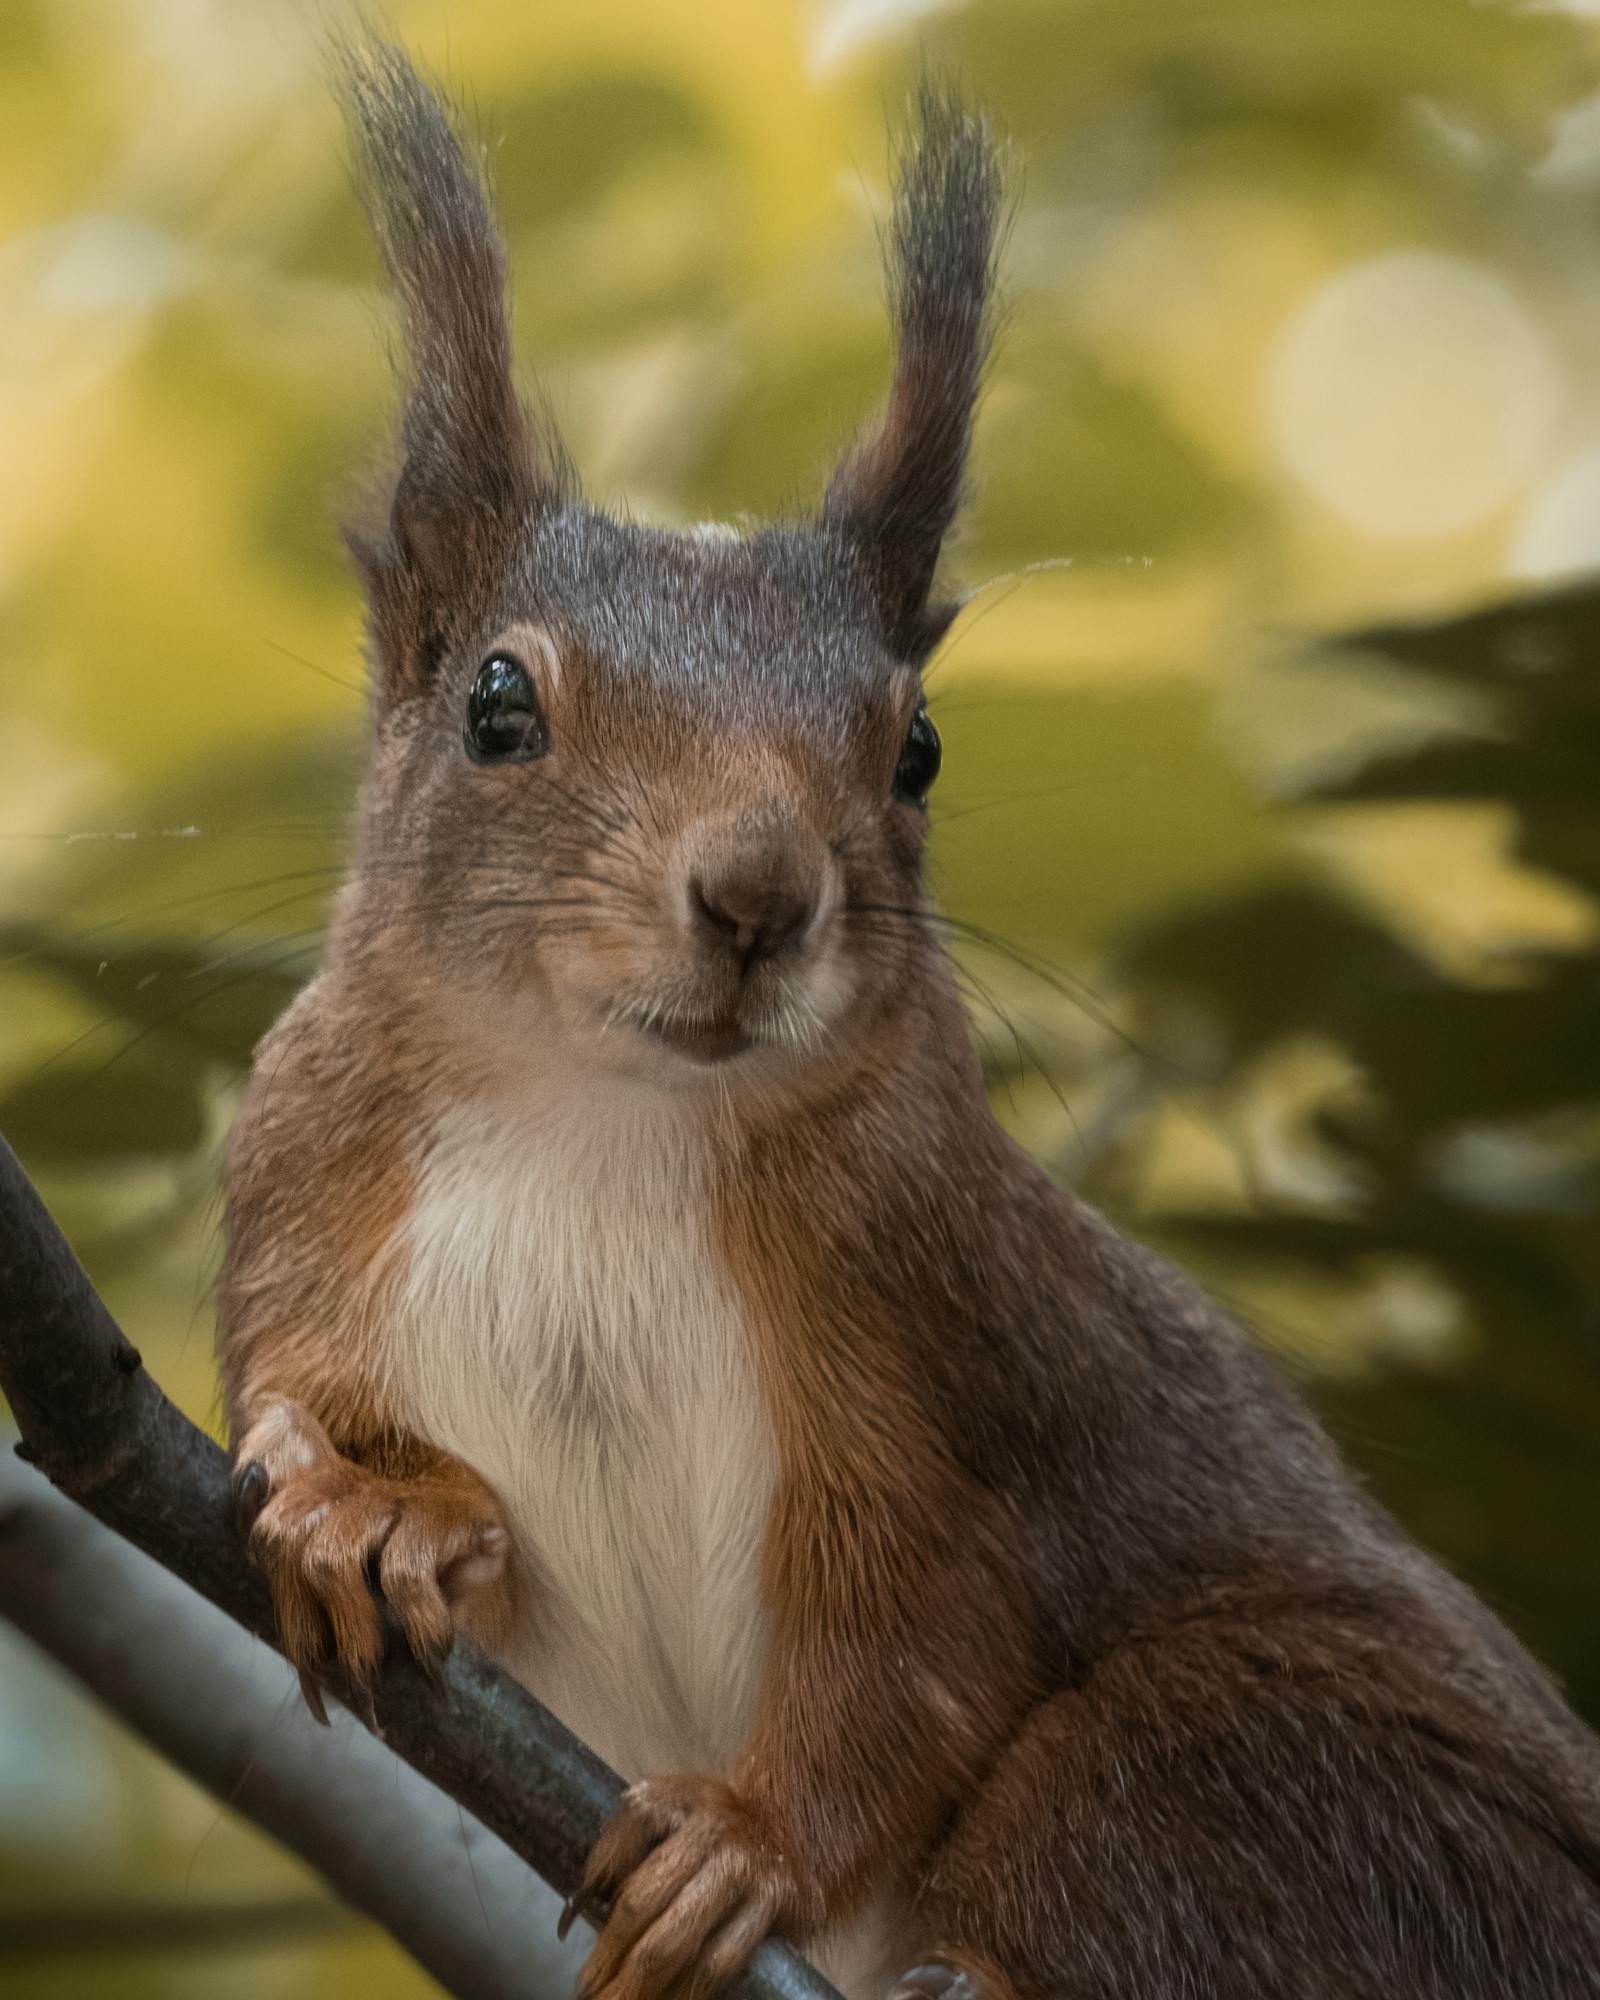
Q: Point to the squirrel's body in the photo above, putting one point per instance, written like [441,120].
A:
[595,1367]
[625,1270]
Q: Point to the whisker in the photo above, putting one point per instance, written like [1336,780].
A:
[1068,985]
[82,933]
[1026,1053]
[311,667]
[159,1026]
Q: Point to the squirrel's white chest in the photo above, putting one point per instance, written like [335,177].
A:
[565,1327]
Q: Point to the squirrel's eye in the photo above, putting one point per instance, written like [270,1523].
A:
[503,720]
[920,757]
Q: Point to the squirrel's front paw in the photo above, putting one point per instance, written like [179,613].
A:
[329,1533]
[693,1879]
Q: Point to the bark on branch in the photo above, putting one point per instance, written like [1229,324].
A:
[96,1424]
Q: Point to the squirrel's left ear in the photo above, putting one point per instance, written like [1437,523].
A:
[475,461]
[897,491]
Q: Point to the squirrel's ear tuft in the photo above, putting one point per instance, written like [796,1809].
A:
[473,460]
[897,491]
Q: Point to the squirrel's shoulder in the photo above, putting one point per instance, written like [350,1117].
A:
[320,1164]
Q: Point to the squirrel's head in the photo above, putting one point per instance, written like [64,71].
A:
[663,790]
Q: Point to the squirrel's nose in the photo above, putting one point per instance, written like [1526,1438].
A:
[751,907]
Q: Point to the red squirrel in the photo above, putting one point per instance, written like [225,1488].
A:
[624,1271]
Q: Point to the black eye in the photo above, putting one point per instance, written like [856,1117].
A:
[920,757]
[503,720]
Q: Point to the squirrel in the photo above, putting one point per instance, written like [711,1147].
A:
[624,1271]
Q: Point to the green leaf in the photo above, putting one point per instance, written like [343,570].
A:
[83,1114]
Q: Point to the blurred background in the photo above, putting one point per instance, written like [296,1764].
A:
[1272,790]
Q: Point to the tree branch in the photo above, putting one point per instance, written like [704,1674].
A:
[227,1710]
[96,1424]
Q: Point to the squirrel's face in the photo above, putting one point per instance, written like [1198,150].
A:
[662,791]
[663,803]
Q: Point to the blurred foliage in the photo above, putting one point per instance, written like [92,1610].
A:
[1286,954]
[1456,1131]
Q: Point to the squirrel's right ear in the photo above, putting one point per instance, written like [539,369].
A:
[474,461]
[897,492]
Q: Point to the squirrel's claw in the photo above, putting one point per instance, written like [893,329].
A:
[252,1487]
[579,1904]
[313,1696]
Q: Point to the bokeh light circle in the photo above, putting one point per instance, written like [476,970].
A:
[1411,394]
[1560,535]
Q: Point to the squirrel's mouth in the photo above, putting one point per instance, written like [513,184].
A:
[767,1018]
[701,1041]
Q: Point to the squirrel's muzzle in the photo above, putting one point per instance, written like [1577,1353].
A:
[754,887]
